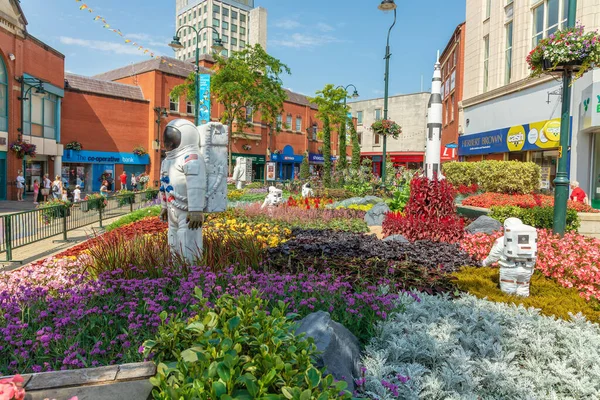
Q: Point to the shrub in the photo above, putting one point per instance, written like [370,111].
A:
[125,197]
[400,198]
[539,217]
[150,194]
[545,294]
[134,216]
[495,176]
[335,194]
[236,350]
[488,200]
[470,348]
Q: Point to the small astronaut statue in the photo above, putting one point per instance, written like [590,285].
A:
[183,188]
[307,191]
[516,253]
[274,198]
[238,173]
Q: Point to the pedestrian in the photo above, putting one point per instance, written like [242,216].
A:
[577,194]
[20,186]
[46,184]
[134,182]
[57,188]
[36,191]
[123,177]
[65,196]
[77,194]
[104,188]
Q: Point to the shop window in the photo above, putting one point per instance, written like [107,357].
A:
[298,124]
[3,98]
[39,117]
[174,104]
[359,117]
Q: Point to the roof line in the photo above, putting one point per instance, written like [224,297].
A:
[100,80]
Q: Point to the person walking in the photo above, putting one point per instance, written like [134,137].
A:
[133,182]
[46,185]
[36,191]
[123,178]
[77,194]
[104,188]
[20,186]
[57,188]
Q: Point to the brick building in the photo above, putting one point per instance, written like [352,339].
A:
[452,61]
[32,71]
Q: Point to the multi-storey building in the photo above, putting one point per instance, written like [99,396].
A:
[410,112]
[509,116]
[452,62]
[238,22]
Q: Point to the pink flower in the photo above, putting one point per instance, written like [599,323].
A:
[12,388]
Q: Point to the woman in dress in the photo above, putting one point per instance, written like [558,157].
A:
[20,186]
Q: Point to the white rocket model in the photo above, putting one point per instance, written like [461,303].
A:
[434,126]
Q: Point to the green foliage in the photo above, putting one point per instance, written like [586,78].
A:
[400,198]
[305,168]
[235,350]
[150,194]
[334,194]
[545,293]
[495,176]
[355,166]
[342,162]
[539,217]
[137,215]
[125,197]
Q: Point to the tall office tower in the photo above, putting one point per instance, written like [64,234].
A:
[238,22]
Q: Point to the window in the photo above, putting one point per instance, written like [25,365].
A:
[216,9]
[242,30]
[233,28]
[184,19]
[216,23]
[279,119]
[194,14]
[375,138]
[242,44]
[204,36]
[242,18]
[194,41]
[39,114]
[452,108]
[377,114]
[233,14]
[488,8]
[288,122]
[190,107]
[180,21]
[298,124]
[315,130]
[205,22]
[3,98]
[233,41]
[225,39]
[174,104]
[508,53]
[249,113]
[359,117]
[225,53]
[548,17]
[226,12]
[225,25]
[204,50]
[486,61]
[359,137]
[205,9]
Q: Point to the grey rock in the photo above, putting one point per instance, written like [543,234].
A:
[375,216]
[396,238]
[484,224]
[340,350]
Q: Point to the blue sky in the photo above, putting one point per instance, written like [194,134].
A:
[322,41]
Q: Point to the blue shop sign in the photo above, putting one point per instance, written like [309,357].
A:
[317,158]
[283,158]
[104,157]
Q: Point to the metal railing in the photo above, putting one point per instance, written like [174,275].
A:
[28,227]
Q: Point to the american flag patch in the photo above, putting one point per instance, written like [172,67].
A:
[190,157]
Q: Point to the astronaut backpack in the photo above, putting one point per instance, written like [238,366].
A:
[214,141]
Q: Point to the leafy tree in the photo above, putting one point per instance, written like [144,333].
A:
[305,168]
[331,112]
[249,81]
[355,148]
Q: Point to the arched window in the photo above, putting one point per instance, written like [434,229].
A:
[3,97]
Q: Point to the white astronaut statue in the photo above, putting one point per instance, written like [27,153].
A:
[307,191]
[238,172]
[183,188]
[516,253]
[274,198]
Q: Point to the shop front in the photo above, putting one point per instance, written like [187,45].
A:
[409,160]
[590,127]
[258,164]
[316,161]
[288,163]
[89,168]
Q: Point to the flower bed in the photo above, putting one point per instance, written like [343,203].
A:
[489,200]
[308,202]
[574,261]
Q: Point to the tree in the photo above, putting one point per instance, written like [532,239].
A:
[331,112]
[305,168]
[248,82]
[343,161]
[355,148]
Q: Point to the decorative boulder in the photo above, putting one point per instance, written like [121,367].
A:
[375,216]
[339,348]
[396,238]
[484,224]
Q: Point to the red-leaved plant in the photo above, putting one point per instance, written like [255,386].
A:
[429,215]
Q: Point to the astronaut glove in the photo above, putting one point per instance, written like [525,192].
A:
[164,215]
[195,219]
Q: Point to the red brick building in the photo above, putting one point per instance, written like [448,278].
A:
[452,60]
[32,71]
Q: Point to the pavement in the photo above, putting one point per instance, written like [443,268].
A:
[9,207]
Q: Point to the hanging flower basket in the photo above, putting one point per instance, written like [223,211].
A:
[22,149]
[74,145]
[569,49]
[140,151]
[386,127]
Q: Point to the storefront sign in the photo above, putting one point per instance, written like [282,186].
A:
[102,157]
[204,106]
[271,171]
[286,158]
[256,158]
[534,136]
[315,158]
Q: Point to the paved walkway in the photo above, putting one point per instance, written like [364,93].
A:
[9,207]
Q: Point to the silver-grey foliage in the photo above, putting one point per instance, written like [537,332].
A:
[470,348]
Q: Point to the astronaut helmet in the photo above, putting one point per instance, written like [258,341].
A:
[180,133]
[511,223]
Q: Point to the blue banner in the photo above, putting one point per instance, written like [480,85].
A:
[317,158]
[104,157]
[204,106]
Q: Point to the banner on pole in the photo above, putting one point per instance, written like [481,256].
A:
[204,106]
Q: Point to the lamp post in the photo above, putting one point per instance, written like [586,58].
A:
[160,114]
[386,5]
[34,83]
[343,128]
[217,46]
[561,193]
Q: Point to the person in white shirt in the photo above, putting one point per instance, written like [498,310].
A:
[77,194]
[134,182]
[47,184]
[20,186]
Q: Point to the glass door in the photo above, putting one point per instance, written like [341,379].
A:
[595,195]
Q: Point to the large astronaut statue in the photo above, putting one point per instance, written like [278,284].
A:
[516,253]
[238,172]
[186,174]
[274,198]
[307,190]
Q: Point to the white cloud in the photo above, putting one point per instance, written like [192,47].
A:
[325,27]
[138,36]
[148,40]
[300,40]
[111,47]
[288,24]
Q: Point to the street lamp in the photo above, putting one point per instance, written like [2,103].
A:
[34,83]
[160,114]
[386,5]
[217,46]
[343,129]
[561,193]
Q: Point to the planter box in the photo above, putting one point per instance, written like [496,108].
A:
[117,382]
